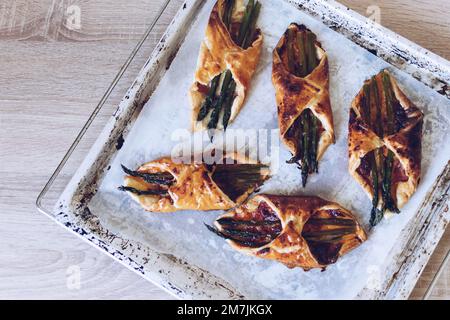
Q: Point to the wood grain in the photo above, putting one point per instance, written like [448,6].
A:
[52,77]
[425,22]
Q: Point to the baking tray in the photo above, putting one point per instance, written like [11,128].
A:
[67,195]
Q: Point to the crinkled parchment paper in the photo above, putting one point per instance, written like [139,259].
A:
[183,233]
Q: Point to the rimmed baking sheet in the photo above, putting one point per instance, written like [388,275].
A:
[182,235]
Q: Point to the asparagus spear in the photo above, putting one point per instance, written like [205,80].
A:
[297,135]
[306,150]
[228,89]
[303,68]
[211,99]
[389,97]
[228,105]
[144,192]
[251,243]
[249,228]
[233,223]
[329,235]
[247,173]
[307,61]
[375,214]
[207,104]
[250,35]
[227,78]
[163,178]
[245,22]
[229,6]
[377,125]
[385,163]
[377,120]
[300,128]
[248,231]
[235,180]
[377,159]
[323,234]
[327,238]
[309,122]
[311,51]
[249,235]
[331,222]
[310,66]
[387,181]
[314,144]
[291,51]
[246,34]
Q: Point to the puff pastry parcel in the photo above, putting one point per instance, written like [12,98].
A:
[165,186]
[227,61]
[306,232]
[385,144]
[300,77]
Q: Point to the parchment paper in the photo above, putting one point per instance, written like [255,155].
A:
[183,233]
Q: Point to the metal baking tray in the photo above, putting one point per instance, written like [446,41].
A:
[66,196]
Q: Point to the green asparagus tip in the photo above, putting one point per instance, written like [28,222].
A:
[252,28]
[376,216]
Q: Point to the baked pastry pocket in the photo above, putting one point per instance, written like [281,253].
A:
[166,186]
[385,144]
[301,79]
[305,232]
[228,58]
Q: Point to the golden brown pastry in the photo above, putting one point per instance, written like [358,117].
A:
[385,144]
[305,232]
[300,77]
[165,186]
[227,61]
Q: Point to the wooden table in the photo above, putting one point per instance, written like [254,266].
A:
[51,78]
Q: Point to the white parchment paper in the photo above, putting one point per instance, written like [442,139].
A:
[183,233]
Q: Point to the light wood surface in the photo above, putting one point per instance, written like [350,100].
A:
[51,78]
